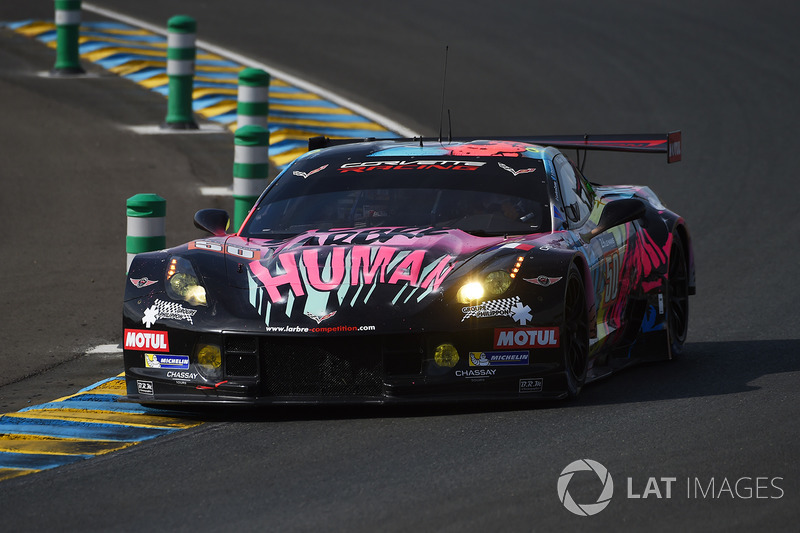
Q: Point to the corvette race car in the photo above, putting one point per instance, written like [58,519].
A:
[415,270]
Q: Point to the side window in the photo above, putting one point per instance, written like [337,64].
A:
[576,198]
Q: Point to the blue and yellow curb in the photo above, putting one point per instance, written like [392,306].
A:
[94,421]
[139,55]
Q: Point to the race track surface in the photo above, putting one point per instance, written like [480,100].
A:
[721,415]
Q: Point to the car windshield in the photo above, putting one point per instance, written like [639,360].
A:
[481,196]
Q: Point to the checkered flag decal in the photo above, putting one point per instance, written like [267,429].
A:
[170,310]
[501,307]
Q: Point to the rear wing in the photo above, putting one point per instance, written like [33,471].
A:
[653,143]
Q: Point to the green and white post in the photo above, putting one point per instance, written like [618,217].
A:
[252,105]
[181,53]
[68,23]
[146,225]
[250,169]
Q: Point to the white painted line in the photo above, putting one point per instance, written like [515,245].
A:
[93,75]
[158,130]
[233,56]
[105,348]
[216,191]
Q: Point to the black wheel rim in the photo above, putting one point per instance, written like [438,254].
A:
[576,329]
[678,295]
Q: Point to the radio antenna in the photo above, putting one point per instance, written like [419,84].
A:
[444,81]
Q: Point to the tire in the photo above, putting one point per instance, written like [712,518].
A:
[575,332]
[677,297]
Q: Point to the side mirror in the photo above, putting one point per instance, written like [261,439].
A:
[214,221]
[615,213]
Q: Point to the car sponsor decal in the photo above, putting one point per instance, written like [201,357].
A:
[531,385]
[517,358]
[433,164]
[526,338]
[144,340]
[144,387]
[304,175]
[307,271]
[478,373]
[515,172]
[161,310]
[319,319]
[182,376]
[142,282]
[511,307]
[543,281]
[155,360]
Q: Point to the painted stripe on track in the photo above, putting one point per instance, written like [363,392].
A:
[140,54]
[94,421]
[91,422]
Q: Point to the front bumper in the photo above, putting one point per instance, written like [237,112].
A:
[363,369]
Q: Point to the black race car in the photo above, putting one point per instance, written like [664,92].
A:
[416,269]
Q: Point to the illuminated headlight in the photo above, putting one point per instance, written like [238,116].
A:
[470,292]
[183,284]
[209,359]
[445,355]
[494,284]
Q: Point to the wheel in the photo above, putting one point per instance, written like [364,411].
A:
[677,297]
[575,332]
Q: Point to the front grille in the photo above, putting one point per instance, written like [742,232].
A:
[329,367]
[241,356]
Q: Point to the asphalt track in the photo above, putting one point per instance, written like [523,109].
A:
[723,72]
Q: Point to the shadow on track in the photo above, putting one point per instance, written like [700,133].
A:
[704,369]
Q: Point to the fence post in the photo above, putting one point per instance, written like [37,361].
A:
[252,105]
[68,23]
[250,169]
[181,53]
[146,225]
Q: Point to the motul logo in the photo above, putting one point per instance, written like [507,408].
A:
[526,338]
[137,339]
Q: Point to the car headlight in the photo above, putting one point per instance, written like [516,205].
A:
[497,282]
[183,283]
[493,284]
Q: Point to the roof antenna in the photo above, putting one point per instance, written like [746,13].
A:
[449,127]
[444,80]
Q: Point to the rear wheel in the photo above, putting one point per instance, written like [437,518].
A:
[677,297]
[575,332]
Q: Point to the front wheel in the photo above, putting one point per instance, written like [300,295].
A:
[575,332]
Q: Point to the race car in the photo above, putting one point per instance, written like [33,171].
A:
[402,270]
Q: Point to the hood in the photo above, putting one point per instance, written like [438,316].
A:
[334,276]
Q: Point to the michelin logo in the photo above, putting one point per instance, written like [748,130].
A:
[176,362]
[517,358]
